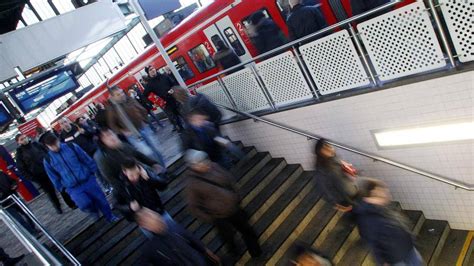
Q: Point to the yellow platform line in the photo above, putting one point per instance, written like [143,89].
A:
[465,248]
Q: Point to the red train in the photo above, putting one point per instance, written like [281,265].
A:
[191,44]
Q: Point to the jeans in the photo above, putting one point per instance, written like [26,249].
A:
[413,259]
[148,144]
[90,198]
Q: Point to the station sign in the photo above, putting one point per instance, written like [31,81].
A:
[154,8]
[5,116]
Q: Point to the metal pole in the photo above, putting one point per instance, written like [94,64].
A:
[362,53]
[305,72]
[227,92]
[444,39]
[28,241]
[58,244]
[265,91]
[138,9]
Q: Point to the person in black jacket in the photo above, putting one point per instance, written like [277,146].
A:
[304,20]
[189,102]
[384,228]
[362,6]
[137,94]
[72,133]
[29,161]
[226,57]
[268,35]
[162,86]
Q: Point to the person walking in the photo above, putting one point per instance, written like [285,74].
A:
[304,20]
[212,197]
[267,34]
[71,169]
[189,102]
[77,135]
[226,57]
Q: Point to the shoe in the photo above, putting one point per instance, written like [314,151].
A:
[13,261]
[114,219]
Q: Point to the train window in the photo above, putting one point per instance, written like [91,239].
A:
[234,41]
[183,68]
[215,38]
[201,58]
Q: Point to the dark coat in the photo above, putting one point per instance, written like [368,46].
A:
[6,186]
[29,161]
[202,139]
[202,103]
[361,6]
[387,236]
[144,192]
[84,140]
[269,36]
[132,109]
[305,20]
[160,85]
[226,58]
[337,188]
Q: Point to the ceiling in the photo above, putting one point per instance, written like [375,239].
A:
[10,14]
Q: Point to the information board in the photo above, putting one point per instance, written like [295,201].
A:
[5,116]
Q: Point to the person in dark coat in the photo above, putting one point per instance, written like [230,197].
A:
[338,186]
[212,197]
[268,35]
[161,85]
[8,187]
[29,161]
[226,57]
[72,133]
[71,169]
[304,20]
[137,94]
[362,6]
[7,260]
[189,102]
[384,228]
[101,115]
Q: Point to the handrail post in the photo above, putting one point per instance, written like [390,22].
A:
[227,92]
[444,39]
[58,244]
[263,87]
[362,54]
[305,71]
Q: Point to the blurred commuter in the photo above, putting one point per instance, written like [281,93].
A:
[268,35]
[101,115]
[71,169]
[335,177]
[304,255]
[77,135]
[362,6]
[304,20]
[112,152]
[89,127]
[127,117]
[136,94]
[7,260]
[212,198]
[190,102]
[8,187]
[225,57]
[384,228]
[29,161]
[161,85]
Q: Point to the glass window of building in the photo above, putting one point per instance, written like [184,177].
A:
[113,60]
[125,49]
[136,37]
[63,6]
[93,76]
[201,58]
[28,15]
[43,8]
[183,68]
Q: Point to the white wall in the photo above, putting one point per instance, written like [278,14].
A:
[350,121]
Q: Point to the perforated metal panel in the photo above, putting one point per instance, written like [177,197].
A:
[402,42]
[216,94]
[334,63]
[245,90]
[459,17]
[283,79]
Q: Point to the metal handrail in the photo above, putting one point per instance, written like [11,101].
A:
[302,39]
[30,214]
[438,178]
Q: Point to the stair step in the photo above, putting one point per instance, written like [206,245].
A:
[128,252]
[121,247]
[334,240]
[452,248]
[431,239]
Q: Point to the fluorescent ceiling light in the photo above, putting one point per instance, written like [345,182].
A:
[425,135]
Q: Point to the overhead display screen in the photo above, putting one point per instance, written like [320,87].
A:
[44,89]
[5,116]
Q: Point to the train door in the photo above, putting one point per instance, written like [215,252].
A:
[224,30]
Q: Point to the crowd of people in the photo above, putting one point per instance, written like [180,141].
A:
[118,153]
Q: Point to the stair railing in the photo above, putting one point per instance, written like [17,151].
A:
[374,157]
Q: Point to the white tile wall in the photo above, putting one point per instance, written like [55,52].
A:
[350,120]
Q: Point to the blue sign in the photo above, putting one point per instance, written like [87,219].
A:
[43,90]
[5,116]
[155,8]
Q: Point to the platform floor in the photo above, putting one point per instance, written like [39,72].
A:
[71,222]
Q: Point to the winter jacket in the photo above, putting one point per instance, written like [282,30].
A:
[269,36]
[160,85]
[211,195]
[29,161]
[144,192]
[304,20]
[6,186]
[337,187]
[69,167]
[226,58]
[202,103]
[84,140]
[132,109]
[386,235]
[109,161]
[361,6]
[203,139]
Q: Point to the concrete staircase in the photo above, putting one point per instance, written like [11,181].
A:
[285,206]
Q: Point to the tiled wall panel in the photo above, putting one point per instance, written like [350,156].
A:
[350,121]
